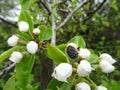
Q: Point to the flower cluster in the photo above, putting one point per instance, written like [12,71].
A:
[82,67]
[31,46]
[106,63]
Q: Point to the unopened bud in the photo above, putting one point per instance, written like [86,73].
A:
[82,86]
[102,88]
[84,68]
[23,26]
[16,57]
[107,57]
[84,53]
[62,72]
[32,47]
[106,67]
[36,31]
[13,40]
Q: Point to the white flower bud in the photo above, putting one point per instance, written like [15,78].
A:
[13,40]
[16,57]
[106,67]
[62,72]
[32,47]
[23,26]
[82,86]
[108,58]
[73,45]
[84,53]
[84,68]
[36,31]
[102,88]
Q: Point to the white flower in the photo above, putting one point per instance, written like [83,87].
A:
[102,88]
[32,47]
[106,67]
[36,31]
[23,26]
[73,45]
[82,86]
[107,57]
[62,72]
[84,53]
[13,40]
[84,68]
[16,57]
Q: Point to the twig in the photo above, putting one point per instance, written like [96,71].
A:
[8,22]
[94,11]
[53,39]
[43,4]
[71,14]
[5,70]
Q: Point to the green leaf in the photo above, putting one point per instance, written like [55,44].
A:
[65,86]
[56,54]
[93,58]
[29,87]
[7,53]
[83,28]
[24,35]
[10,84]
[23,69]
[78,40]
[36,85]
[45,33]
[25,16]
[105,23]
[62,47]
[53,84]
[26,4]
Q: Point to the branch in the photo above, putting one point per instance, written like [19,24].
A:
[71,14]
[94,11]
[8,22]
[53,39]
[6,69]
[43,4]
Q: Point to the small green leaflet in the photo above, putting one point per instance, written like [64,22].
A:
[56,54]
[79,41]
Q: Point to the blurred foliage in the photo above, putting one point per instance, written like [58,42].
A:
[100,30]
[7,6]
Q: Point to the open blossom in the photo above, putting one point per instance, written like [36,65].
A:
[84,53]
[102,88]
[62,72]
[107,57]
[16,57]
[106,67]
[82,86]
[32,47]
[84,68]
[13,40]
[23,26]
[72,50]
[36,31]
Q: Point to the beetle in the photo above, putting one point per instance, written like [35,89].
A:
[72,52]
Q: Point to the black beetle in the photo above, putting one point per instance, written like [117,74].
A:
[72,52]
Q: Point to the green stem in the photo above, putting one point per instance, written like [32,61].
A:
[92,83]
[31,35]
